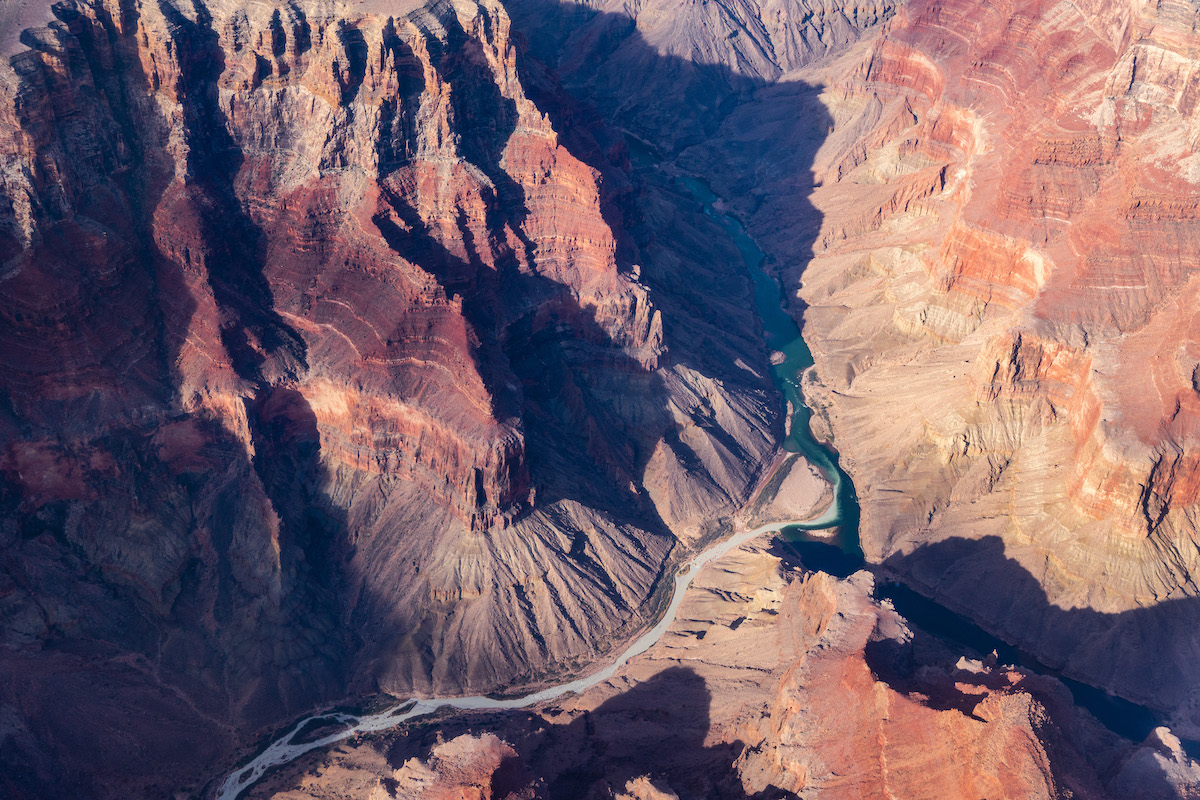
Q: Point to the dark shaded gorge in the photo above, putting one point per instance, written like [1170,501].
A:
[289,463]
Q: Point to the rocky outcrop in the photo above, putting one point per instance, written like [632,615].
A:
[332,361]
[773,682]
[464,767]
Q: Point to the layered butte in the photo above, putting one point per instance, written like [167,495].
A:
[339,352]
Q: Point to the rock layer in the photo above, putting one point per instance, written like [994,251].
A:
[332,362]
[342,346]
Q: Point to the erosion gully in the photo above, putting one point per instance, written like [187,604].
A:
[835,550]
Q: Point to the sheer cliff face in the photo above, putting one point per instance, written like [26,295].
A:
[326,364]
[1003,310]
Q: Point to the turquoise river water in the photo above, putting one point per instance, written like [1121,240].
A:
[835,551]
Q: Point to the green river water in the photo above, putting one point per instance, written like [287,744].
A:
[841,554]
[782,335]
[835,551]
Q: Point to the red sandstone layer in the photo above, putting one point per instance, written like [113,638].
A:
[332,362]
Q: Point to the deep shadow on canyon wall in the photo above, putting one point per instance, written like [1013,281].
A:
[124,694]
[592,413]
[530,327]
[1087,645]
[1008,611]
[597,123]
[117,684]
[539,330]
[623,107]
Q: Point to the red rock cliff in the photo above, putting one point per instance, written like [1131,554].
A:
[331,361]
[1000,308]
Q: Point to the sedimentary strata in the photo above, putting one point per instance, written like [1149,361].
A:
[332,362]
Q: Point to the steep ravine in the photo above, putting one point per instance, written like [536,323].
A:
[339,354]
[343,351]
[834,548]
[829,551]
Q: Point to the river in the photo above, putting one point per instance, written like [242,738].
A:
[782,336]
[840,554]
[841,517]
[284,749]
[835,551]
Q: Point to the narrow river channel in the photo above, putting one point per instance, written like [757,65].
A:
[835,551]
[286,748]
[840,554]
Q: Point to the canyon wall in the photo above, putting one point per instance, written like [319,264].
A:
[331,362]
[1001,309]
[350,347]
[985,214]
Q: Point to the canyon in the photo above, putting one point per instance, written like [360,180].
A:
[354,349]
[1013,290]
[985,221]
[329,369]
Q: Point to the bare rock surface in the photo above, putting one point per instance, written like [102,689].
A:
[344,348]
[773,682]
[339,352]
